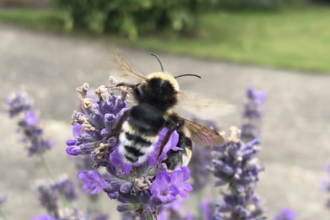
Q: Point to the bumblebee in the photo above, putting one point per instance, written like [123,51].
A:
[138,128]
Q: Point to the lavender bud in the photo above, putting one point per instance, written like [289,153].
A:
[87,148]
[148,209]
[113,195]
[126,187]
[144,195]
[73,150]
[112,141]
[104,132]
[71,142]
[108,107]
[120,104]
[109,121]
[97,118]
[155,201]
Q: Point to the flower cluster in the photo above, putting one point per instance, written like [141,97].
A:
[235,165]
[207,209]
[325,184]
[201,159]
[138,187]
[19,104]
[3,199]
[252,115]
[49,193]
[172,211]
[286,214]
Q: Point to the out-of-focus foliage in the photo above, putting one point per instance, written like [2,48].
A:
[256,4]
[129,17]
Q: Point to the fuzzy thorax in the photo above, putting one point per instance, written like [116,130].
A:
[168,77]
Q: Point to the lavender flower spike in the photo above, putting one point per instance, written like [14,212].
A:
[3,199]
[252,115]
[29,124]
[142,188]
[235,165]
[201,159]
[286,214]
[44,217]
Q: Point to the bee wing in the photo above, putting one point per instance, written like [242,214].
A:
[190,101]
[202,135]
[126,68]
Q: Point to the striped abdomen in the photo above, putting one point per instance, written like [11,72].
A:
[134,146]
[140,132]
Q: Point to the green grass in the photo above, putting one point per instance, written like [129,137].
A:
[293,39]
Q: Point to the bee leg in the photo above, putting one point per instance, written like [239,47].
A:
[116,131]
[126,85]
[182,157]
[173,159]
[164,141]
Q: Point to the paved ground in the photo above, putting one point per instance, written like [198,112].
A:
[295,136]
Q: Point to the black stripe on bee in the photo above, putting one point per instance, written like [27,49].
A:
[131,158]
[134,151]
[137,139]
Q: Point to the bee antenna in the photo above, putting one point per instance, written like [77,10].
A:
[161,65]
[188,75]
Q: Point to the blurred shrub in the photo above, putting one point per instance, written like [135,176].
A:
[129,17]
[257,4]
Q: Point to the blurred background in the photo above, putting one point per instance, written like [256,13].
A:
[281,47]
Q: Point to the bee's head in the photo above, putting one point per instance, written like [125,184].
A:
[160,90]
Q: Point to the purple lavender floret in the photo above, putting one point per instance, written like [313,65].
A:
[48,197]
[201,158]
[138,187]
[18,102]
[207,209]
[93,182]
[44,217]
[325,183]
[66,187]
[100,216]
[286,214]
[236,166]
[3,199]
[172,211]
[252,114]
[29,124]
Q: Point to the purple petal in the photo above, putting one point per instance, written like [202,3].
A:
[97,177]
[171,143]
[71,142]
[83,176]
[127,168]
[155,188]
[163,176]
[117,159]
[76,131]
[31,118]
[186,173]
[73,150]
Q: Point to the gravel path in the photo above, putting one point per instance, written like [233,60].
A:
[295,131]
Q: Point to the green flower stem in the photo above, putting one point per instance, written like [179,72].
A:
[47,167]
[50,174]
[149,217]
[2,214]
